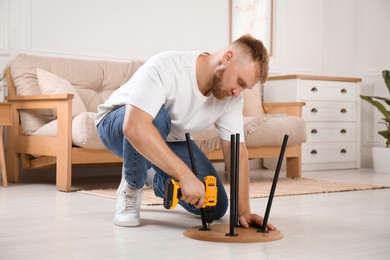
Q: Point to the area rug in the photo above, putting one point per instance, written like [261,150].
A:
[261,189]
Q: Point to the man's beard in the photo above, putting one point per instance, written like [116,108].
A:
[216,88]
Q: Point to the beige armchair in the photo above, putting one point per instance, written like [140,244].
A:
[265,125]
[54,103]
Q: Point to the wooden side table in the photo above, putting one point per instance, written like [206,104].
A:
[5,119]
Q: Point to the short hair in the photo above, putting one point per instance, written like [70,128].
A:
[258,53]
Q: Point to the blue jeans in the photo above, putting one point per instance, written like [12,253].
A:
[135,166]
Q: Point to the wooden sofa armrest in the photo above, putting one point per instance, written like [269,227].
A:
[39,97]
[55,101]
[289,108]
[61,102]
[43,145]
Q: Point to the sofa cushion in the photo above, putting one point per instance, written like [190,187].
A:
[50,83]
[252,101]
[270,130]
[84,133]
[266,130]
[93,80]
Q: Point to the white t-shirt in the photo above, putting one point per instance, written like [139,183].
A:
[169,79]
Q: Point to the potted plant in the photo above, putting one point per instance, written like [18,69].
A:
[381,155]
[2,76]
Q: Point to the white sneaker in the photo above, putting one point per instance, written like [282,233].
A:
[123,181]
[128,204]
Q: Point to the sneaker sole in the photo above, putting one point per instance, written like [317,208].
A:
[133,223]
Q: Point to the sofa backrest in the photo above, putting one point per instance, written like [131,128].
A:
[94,81]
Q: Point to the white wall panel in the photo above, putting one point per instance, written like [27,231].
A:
[372,56]
[373,39]
[4,27]
[125,29]
[305,35]
[339,57]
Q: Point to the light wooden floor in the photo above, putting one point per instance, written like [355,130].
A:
[37,222]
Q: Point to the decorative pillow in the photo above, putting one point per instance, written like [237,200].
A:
[84,132]
[269,130]
[49,129]
[50,83]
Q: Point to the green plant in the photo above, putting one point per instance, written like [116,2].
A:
[379,103]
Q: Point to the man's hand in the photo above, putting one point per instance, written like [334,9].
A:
[192,190]
[247,220]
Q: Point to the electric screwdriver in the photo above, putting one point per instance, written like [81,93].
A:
[172,195]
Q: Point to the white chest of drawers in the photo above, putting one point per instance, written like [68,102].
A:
[331,114]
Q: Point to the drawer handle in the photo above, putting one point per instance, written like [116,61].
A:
[343,90]
[314,131]
[314,110]
[313,152]
[343,151]
[343,110]
[314,89]
[343,131]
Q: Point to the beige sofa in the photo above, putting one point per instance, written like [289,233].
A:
[55,100]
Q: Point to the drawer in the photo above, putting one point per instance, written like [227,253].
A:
[327,90]
[331,132]
[328,152]
[329,111]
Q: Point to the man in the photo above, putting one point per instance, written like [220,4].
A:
[173,93]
